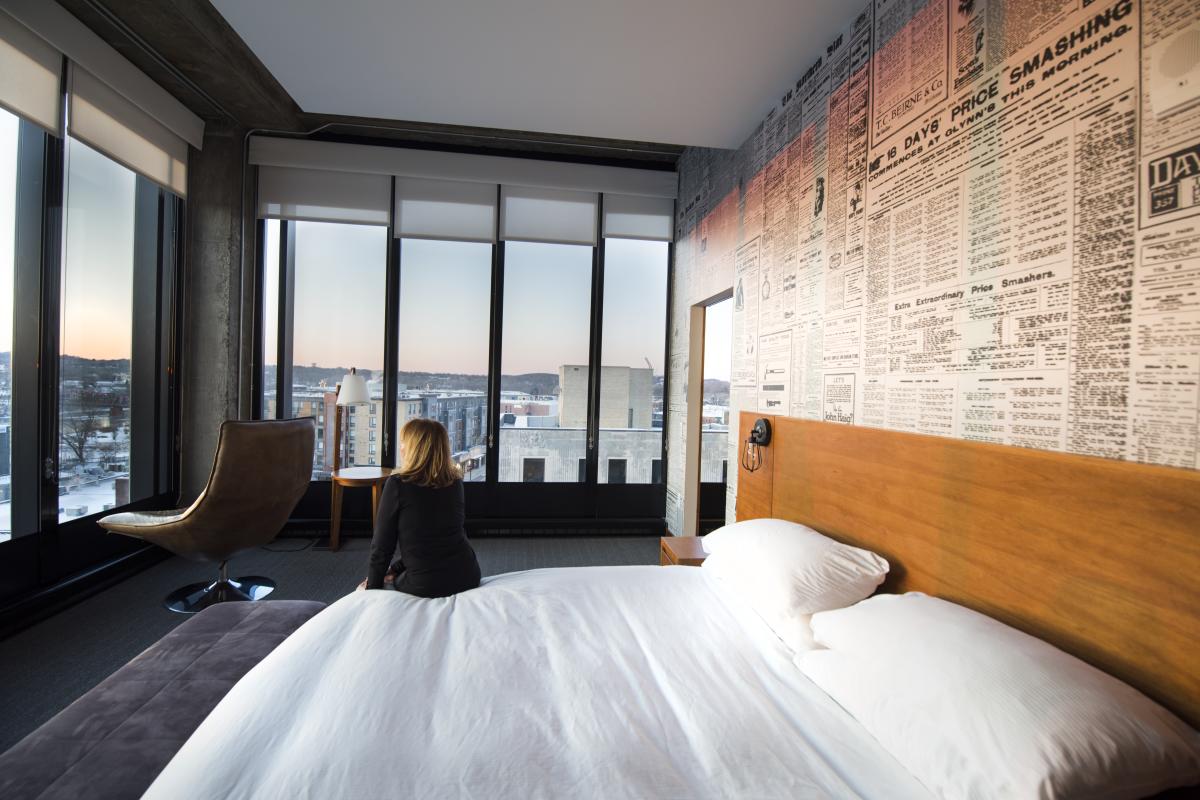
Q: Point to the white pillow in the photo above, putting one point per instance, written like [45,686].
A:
[738,531]
[786,572]
[974,708]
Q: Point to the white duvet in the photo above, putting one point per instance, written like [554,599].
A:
[598,682]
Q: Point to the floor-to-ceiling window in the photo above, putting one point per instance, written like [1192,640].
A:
[633,349]
[544,361]
[338,326]
[96,341]
[26,152]
[114,335]
[443,345]
[338,274]
[9,135]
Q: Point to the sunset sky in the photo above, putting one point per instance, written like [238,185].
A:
[97,319]
[97,311]
[445,302]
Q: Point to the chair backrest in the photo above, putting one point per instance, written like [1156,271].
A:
[260,471]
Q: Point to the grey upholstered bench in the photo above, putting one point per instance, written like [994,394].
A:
[113,741]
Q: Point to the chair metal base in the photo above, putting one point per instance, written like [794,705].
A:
[199,596]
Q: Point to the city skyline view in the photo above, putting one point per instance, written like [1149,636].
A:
[541,431]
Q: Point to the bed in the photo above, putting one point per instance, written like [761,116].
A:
[602,682]
[660,682]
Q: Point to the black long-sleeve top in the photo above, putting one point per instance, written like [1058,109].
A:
[436,560]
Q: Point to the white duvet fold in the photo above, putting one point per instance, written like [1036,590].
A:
[599,682]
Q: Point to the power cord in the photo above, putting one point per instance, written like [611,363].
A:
[303,547]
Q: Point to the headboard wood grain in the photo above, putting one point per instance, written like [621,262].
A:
[1099,557]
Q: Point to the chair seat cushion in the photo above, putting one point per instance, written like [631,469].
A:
[126,520]
[113,741]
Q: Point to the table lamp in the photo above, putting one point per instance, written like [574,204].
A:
[352,391]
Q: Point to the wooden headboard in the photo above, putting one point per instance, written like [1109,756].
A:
[1099,557]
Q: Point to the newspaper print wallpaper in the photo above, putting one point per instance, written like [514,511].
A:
[966,218]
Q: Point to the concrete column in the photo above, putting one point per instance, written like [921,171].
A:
[213,354]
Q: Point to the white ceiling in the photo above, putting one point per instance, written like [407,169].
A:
[693,72]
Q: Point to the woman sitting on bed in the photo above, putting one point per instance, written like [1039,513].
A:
[422,509]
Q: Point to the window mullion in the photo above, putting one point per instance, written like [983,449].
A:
[258,399]
[38,206]
[391,348]
[496,342]
[286,316]
[666,388]
[171,235]
[595,350]
[143,365]
[54,177]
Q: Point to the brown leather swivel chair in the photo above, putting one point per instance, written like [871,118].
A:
[260,471]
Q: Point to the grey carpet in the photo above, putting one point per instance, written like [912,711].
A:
[46,667]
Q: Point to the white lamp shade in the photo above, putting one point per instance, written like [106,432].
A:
[353,391]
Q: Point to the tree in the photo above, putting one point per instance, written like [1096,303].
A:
[81,420]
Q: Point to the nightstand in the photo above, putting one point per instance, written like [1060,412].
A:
[684,550]
[375,477]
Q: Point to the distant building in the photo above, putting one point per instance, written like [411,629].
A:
[464,415]
[626,397]
[522,404]
[714,416]
[630,443]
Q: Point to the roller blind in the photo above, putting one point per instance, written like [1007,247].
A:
[29,75]
[535,214]
[430,164]
[322,196]
[106,120]
[633,217]
[435,209]
[58,27]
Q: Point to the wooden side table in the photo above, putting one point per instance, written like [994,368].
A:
[374,477]
[684,550]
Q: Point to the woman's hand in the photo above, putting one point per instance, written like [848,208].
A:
[361,586]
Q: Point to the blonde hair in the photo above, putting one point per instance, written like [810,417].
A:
[425,450]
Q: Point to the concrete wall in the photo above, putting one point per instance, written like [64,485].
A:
[639,448]
[562,448]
